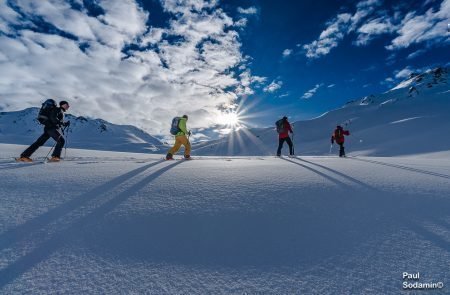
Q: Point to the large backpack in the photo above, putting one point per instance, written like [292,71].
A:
[45,112]
[280,126]
[174,128]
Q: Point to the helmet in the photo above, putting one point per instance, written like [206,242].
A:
[185,116]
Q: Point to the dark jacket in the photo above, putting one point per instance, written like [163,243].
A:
[56,118]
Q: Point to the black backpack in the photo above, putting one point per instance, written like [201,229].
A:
[45,112]
[280,126]
[174,128]
[338,133]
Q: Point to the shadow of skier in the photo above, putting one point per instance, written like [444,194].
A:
[354,180]
[403,167]
[60,239]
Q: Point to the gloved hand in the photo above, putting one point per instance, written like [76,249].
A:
[332,140]
[189,133]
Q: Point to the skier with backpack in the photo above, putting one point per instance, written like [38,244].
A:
[179,129]
[52,117]
[338,136]
[283,129]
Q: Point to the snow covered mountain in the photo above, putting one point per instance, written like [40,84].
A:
[411,118]
[21,127]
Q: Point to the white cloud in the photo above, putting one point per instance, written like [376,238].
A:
[310,93]
[242,22]
[330,37]
[428,27]
[416,53]
[145,88]
[338,28]
[7,17]
[404,73]
[374,27]
[250,10]
[368,22]
[274,86]
[331,85]
[287,52]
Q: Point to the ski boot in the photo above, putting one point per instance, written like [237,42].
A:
[54,159]
[24,159]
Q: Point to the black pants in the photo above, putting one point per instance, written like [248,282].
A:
[52,132]
[280,145]
[341,150]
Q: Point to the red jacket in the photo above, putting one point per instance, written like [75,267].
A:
[287,128]
[338,135]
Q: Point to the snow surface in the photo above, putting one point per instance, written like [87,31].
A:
[106,222]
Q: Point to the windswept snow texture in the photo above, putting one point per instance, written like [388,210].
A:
[115,223]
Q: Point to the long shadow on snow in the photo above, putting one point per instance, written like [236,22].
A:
[67,236]
[354,180]
[296,234]
[18,233]
[414,219]
[11,166]
[403,167]
[414,225]
[295,237]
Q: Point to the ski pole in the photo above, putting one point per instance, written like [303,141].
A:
[46,157]
[56,141]
[67,141]
[331,147]
[293,145]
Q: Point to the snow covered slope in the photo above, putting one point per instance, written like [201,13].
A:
[116,223]
[22,128]
[411,118]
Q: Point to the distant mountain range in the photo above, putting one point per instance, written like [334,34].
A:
[21,127]
[413,117]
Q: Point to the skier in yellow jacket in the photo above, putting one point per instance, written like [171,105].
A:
[181,139]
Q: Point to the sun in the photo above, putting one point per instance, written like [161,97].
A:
[229,119]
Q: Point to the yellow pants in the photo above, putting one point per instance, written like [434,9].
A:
[181,140]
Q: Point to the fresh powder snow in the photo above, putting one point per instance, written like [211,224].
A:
[108,222]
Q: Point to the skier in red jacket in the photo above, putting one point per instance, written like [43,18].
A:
[338,136]
[283,129]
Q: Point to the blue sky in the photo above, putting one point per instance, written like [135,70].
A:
[143,62]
